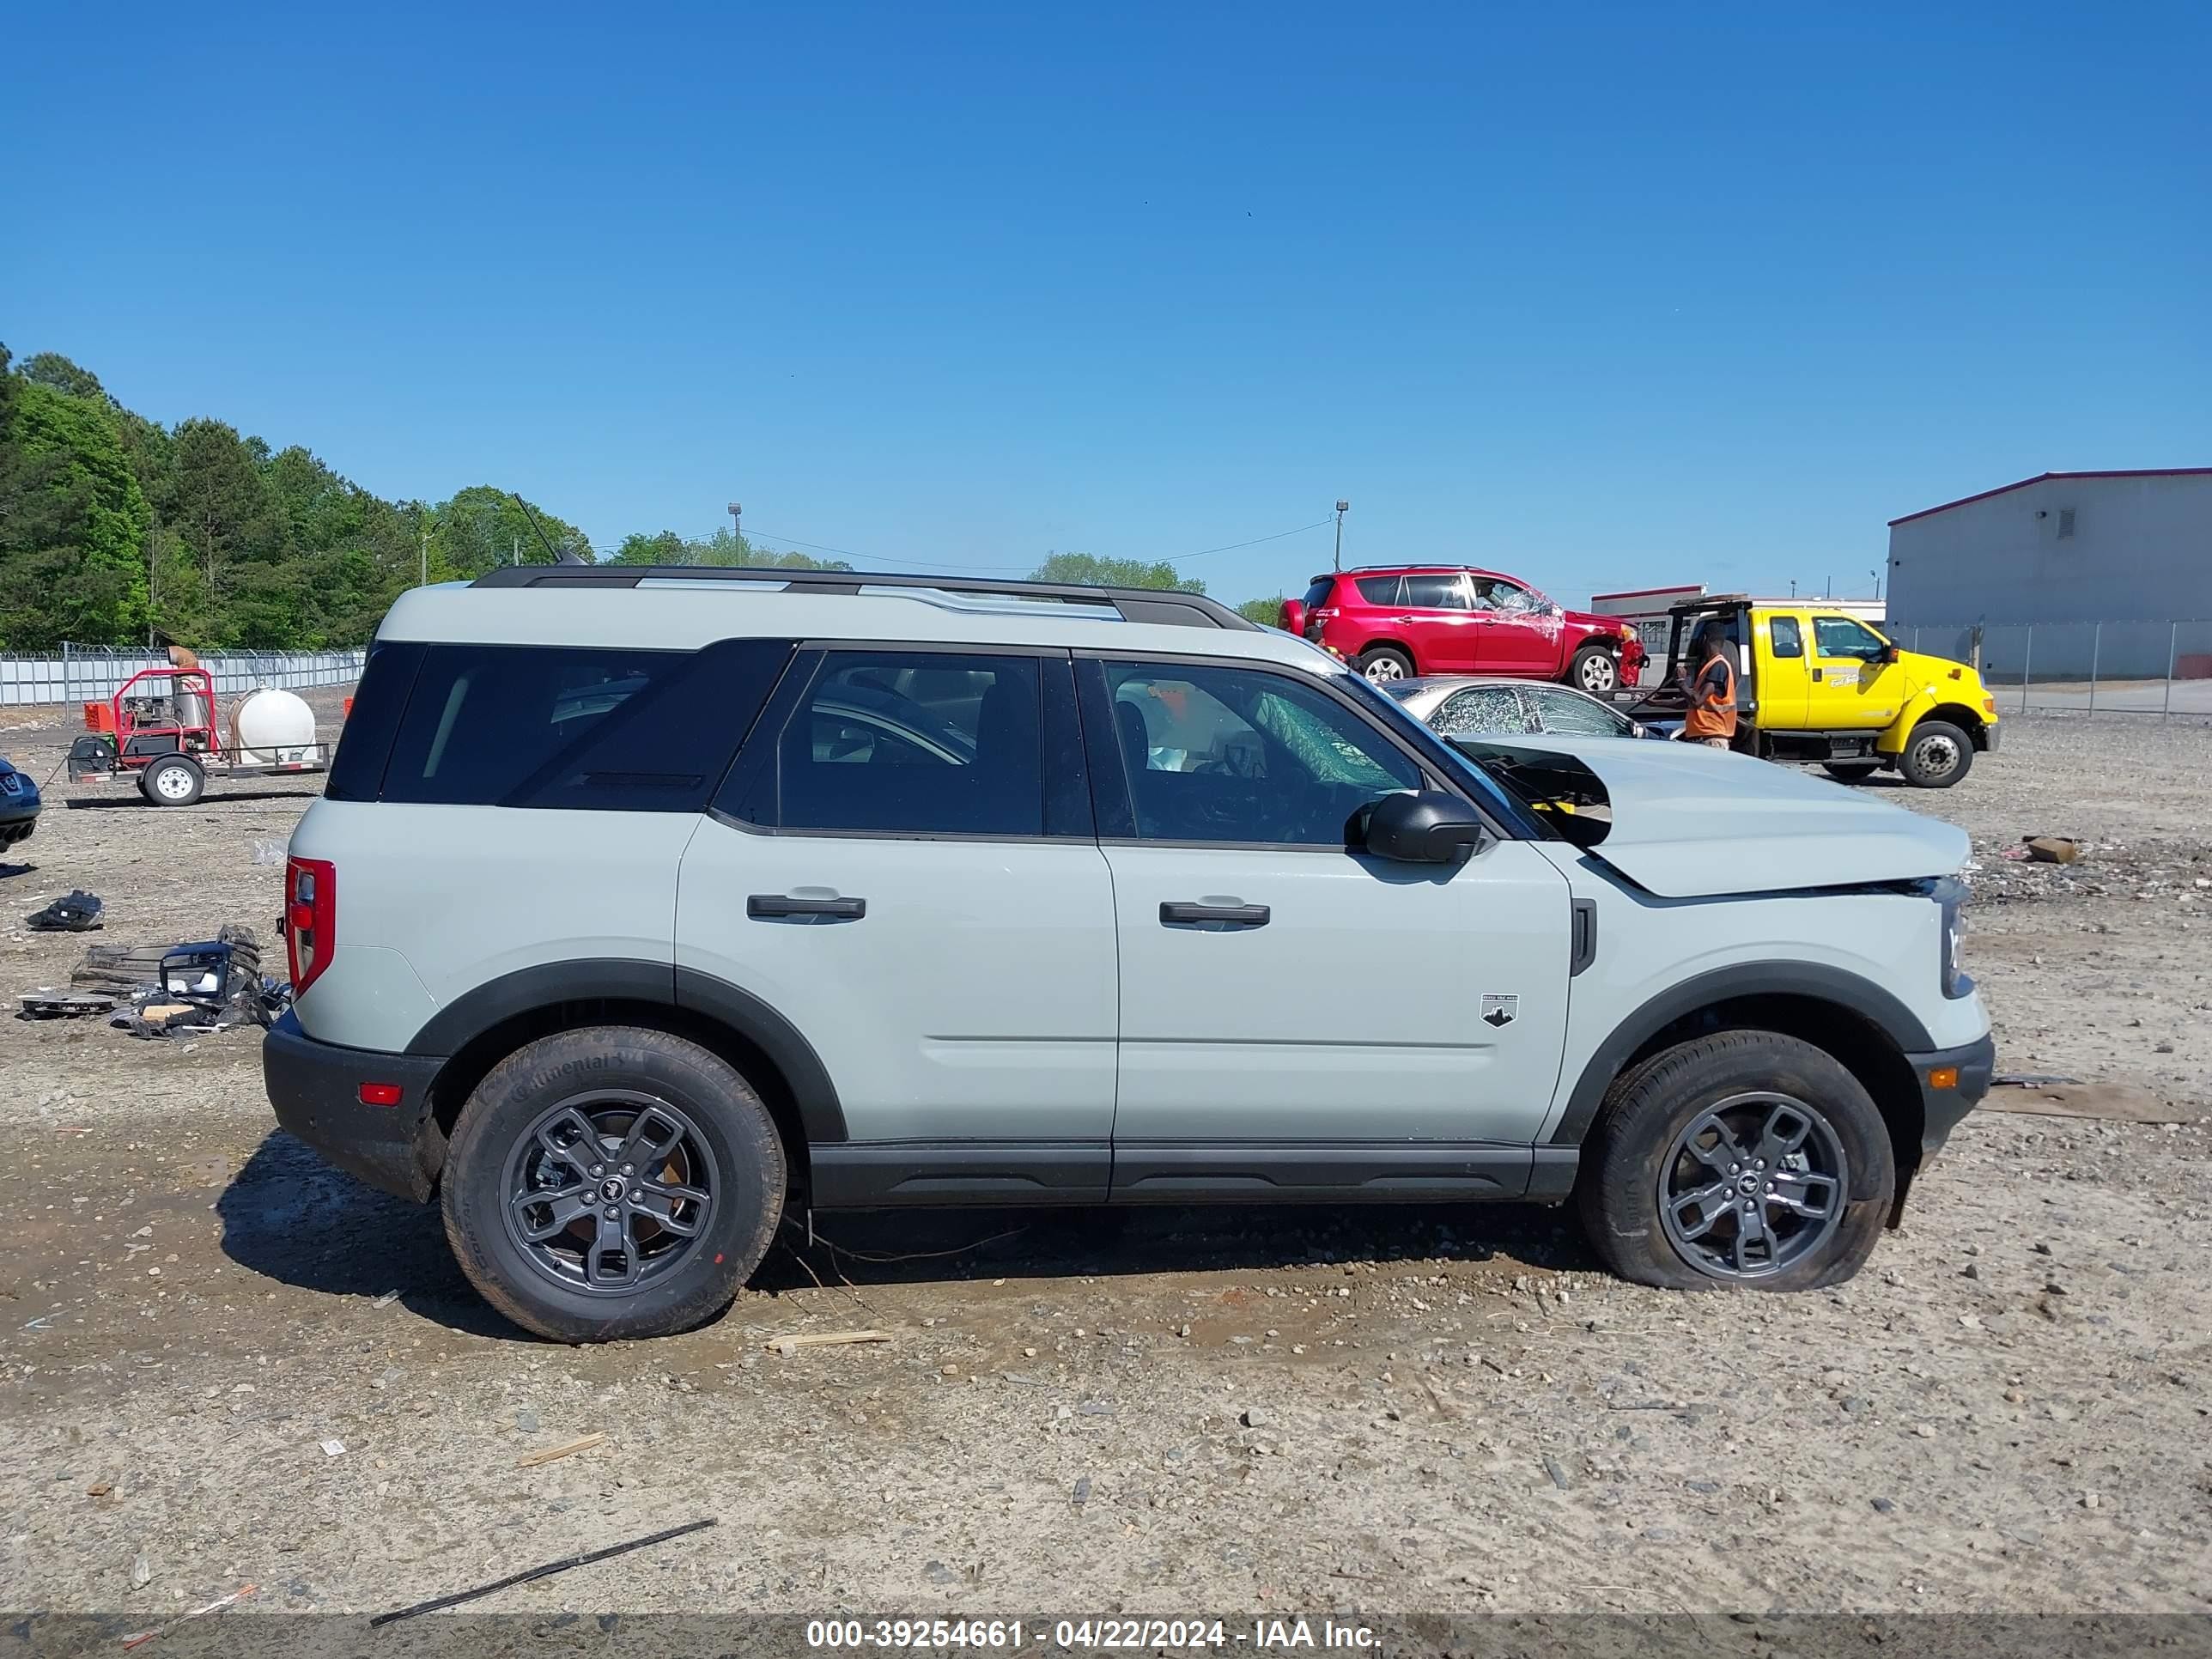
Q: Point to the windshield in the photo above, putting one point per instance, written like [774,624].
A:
[1486,789]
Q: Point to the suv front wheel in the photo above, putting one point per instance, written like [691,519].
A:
[1595,670]
[612,1182]
[1745,1159]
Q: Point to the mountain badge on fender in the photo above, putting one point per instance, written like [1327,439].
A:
[1499,1011]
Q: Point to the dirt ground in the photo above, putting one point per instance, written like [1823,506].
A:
[222,1363]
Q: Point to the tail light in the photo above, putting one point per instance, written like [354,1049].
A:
[311,918]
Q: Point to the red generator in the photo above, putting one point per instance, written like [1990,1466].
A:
[160,729]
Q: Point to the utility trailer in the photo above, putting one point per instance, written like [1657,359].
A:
[160,729]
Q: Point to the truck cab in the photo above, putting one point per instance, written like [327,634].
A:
[1816,684]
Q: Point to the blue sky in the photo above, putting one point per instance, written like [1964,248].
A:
[1603,297]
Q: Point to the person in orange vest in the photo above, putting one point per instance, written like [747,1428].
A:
[1711,717]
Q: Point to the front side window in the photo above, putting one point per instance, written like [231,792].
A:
[1559,708]
[1507,598]
[1479,710]
[911,743]
[1240,755]
[1844,636]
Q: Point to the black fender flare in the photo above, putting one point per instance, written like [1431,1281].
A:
[1812,981]
[614,979]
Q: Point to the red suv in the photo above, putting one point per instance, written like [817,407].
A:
[1394,621]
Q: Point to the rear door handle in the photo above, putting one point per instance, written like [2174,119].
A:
[766,907]
[1236,916]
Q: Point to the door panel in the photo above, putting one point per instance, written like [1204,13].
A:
[1355,1011]
[974,997]
[889,872]
[1851,689]
[1781,681]
[1446,635]
[1516,638]
[1312,994]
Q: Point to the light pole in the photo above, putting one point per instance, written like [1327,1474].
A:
[1342,507]
[737,530]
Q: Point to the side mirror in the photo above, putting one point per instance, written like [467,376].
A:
[1425,827]
[1889,654]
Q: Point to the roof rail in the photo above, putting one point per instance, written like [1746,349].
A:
[1136,604]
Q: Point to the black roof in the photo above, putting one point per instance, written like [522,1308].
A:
[1136,604]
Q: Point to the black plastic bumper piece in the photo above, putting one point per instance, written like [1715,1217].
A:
[1941,1109]
[315,1088]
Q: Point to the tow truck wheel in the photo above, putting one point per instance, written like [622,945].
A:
[1594,671]
[1936,754]
[172,780]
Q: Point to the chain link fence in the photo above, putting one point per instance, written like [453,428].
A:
[2158,669]
[93,673]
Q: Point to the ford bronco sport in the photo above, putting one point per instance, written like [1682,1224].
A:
[645,907]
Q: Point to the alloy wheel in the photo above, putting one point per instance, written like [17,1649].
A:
[609,1191]
[1752,1185]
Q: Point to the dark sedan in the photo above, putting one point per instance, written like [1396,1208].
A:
[19,805]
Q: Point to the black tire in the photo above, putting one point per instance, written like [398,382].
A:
[1936,756]
[1851,771]
[738,1155]
[172,780]
[1638,1142]
[1595,670]
[1385,662]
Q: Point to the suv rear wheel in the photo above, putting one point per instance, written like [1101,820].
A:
[1385,662]
[1745,1159]
[612,1182]
[1594,670]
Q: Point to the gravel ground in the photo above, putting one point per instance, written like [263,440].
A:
[223,1362]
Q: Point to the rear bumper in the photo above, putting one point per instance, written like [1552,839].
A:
[315,1088]
[1941,1109]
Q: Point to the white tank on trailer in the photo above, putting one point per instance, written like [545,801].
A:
[270,726]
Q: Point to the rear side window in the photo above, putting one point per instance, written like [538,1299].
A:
[897,743]
[1435,593]
[1787,640]
[365,743]
[601,730]
[1379,590]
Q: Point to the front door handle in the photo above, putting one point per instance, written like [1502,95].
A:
[1236,915]
[1816,673]
[766,907]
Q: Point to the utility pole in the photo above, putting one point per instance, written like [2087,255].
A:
[517,549]
[1342,507]
[1877,574]
[152,573]
[1793,588]
[425,583]
[737,530]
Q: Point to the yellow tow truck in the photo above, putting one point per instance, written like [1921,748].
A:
[1817,685]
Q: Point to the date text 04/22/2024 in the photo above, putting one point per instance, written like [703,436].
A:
[1255,1635]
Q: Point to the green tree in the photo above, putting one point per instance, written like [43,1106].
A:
[223,506]
[724,548]
[483,528]
[1268,613]
[1092,571]
[51,369]
[73,522]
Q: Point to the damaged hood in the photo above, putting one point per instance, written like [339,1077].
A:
[1689,821]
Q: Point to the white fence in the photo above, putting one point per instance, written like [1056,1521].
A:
[81,673]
